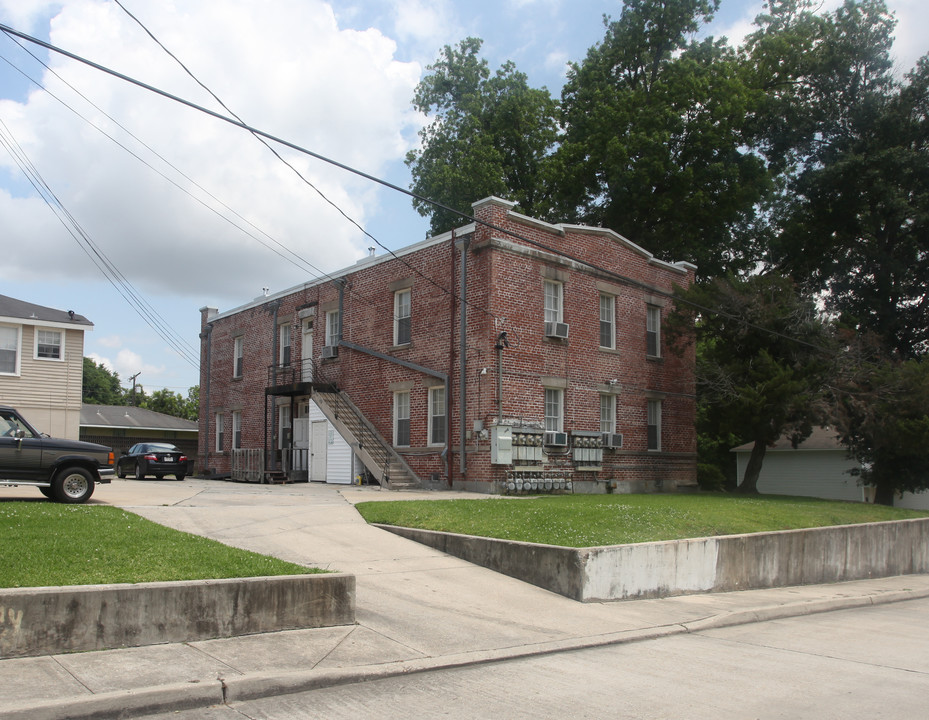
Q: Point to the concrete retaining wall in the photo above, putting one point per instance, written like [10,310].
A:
[44,621]
[717,564]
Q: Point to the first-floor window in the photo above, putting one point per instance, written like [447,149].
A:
[437,416]
[284,434]
[654,424]
[220,431]
[402,419]
[236,430]
[554,409]
[9,350]
[48,344]
[608,413]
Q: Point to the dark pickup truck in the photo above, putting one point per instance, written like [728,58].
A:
[63,470]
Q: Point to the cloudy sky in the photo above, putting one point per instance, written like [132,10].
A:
[188,211]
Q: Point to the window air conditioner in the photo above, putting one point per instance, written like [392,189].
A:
[612,440]
[556,330]
[559,439]
[330,352]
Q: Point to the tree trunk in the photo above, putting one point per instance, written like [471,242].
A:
[749,484]
[884,494]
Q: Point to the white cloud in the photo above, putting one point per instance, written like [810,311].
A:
[285,67]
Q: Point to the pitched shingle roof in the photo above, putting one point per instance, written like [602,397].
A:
[125,416]
[20,309]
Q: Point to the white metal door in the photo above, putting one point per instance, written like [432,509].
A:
[320,443]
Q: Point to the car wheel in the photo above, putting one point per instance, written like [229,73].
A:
[73,485]
[139,475]
[159,477]
[180,476]
[120,472]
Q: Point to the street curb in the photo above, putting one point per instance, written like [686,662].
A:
[189,696]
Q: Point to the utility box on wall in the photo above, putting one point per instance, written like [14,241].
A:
[501,445]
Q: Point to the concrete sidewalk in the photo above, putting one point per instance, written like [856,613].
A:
[417,609]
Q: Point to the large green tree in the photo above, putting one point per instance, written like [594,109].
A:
[488,135]
[764,354]
[655,138]
[101,385]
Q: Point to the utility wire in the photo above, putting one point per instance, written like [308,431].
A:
[623,279]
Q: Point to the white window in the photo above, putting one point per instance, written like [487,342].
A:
[403,308]
[285,344]
[553,302]
[238,357]
[236,430]
[554,410]
[437,416]
[9,350]
[220,431]
[607,321]
[333,328]
[654,424]
[48,344]
[285,422]
[402,419]
[653,331]
[608,413]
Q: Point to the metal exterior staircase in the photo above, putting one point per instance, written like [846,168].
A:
[378,456]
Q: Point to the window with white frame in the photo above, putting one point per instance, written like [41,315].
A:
[238,354]
[607,321]
[236,429]
[437,416]
[403,320]
[9,350]
[333,328]
[653,331]
[607,413]
[285,422]
[654,424]
[220,431]
[48,344]
[284,340]
[402,419]
[554,409]
[554,293]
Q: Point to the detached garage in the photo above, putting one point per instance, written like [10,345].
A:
[818,467]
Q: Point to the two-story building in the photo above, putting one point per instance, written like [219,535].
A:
[509,355]
[42,364]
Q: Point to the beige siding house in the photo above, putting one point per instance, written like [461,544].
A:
[42,364]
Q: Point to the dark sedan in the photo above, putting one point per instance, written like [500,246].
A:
[158,459]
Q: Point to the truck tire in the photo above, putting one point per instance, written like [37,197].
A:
[73,485]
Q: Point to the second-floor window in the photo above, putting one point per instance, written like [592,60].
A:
[653,331]
[333,328]
[9,350]
[48,344]
[402,419]
[607,321]
[238,354]
[285,343]
[437,416]
[403,320]
[554,409]
[553,302]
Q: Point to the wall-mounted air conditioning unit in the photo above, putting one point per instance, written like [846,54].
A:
[612,440]
[330,352]
[556,439]
[556,330]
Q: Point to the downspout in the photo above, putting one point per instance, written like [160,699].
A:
[463,245]
[273,307]
[446,451]
[207,335]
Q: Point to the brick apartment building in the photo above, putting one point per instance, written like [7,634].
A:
[555,376]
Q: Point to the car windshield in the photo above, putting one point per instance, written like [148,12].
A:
[161,448]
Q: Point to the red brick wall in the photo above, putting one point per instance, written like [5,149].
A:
[505,293]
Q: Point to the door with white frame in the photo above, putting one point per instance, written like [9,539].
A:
[319,440]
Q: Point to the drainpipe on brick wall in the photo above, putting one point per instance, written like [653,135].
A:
[207,335]
[463,245]
[273,308]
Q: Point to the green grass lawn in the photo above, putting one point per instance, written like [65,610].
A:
[592,520]
[46,544]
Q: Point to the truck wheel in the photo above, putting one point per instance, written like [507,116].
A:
[73,485]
